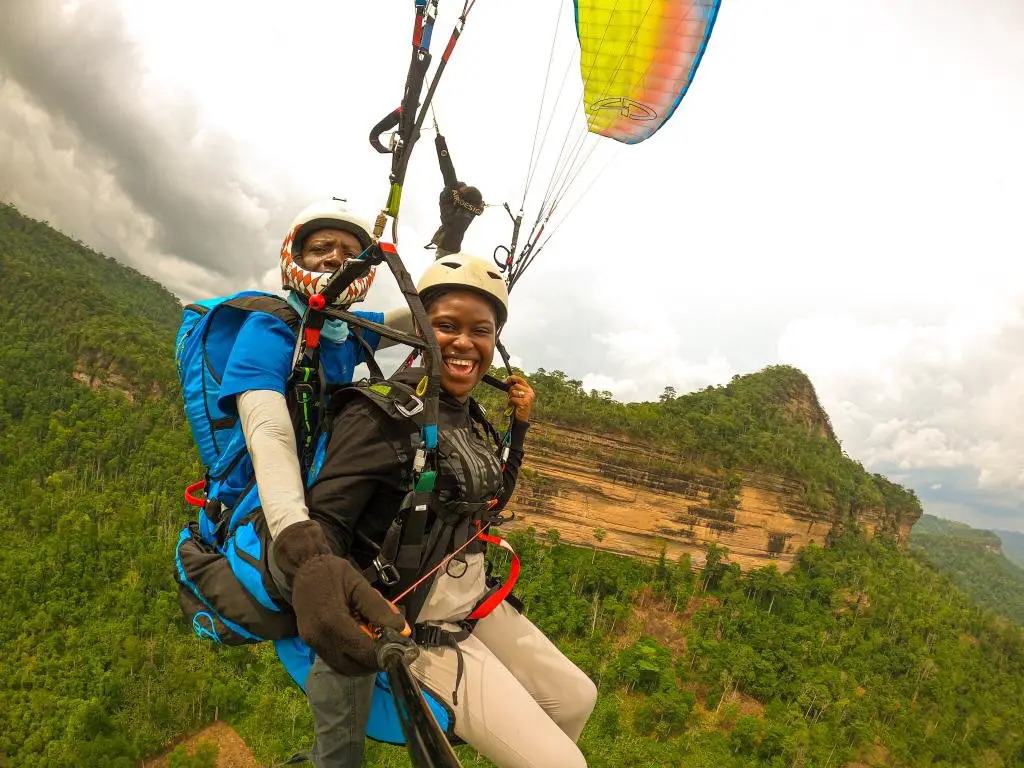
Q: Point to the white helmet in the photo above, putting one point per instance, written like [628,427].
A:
[332,214]
[461,270]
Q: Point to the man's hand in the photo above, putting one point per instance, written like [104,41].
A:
[332,600]
[459,206]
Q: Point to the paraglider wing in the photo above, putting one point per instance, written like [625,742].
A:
[637,59]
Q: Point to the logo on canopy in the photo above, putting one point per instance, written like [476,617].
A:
[627,108]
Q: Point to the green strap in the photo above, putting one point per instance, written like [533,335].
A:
[425,481]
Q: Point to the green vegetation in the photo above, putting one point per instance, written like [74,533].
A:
[973,559]
[768,421]
[1013,546]
[860,651]
[204,756]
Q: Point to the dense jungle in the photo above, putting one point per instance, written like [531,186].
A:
[864,653]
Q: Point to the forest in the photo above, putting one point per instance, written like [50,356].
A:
[1013,545]
[973,559]
[768,421]
[861,654]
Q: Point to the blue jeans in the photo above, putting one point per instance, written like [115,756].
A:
[341,707]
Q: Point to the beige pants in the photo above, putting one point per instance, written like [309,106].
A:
[521,702]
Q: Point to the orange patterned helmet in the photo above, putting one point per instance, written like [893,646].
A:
[332,214]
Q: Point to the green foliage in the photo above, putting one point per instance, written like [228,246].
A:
[97,667]
[768,421]
[204,756]
[858,645]
[973,559]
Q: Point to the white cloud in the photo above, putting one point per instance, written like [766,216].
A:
[840,190]
[948,395]
[621,389]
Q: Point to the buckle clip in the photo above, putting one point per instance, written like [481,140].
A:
[303,392]
[417,406]
[419,460]
[386,572]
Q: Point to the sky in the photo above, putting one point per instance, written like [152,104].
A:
[840,190]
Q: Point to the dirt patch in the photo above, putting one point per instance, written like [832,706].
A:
[695,604]
[876,755]
[748,707]
[233,752]
[654,617]
[858,602]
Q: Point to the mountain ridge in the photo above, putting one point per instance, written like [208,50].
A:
[858,653]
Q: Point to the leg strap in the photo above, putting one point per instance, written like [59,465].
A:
[428,635]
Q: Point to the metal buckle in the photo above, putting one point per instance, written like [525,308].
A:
[386,572]
[410,411]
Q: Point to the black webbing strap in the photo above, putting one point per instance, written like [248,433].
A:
[428,635]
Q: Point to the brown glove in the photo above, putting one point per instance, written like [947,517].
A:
[331,599]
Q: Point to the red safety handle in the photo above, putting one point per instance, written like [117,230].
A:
[192,498]
[494,599]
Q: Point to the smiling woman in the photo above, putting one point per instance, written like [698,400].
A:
[507,689]
[467,302]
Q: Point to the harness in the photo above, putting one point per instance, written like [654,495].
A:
[427,533]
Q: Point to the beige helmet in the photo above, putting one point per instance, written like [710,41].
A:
[461,270]
[333,214]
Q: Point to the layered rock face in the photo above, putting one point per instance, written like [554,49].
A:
[630,498]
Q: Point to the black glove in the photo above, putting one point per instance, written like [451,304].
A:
[331,598]
[459,206]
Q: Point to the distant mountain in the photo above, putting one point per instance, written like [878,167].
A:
[938,526]
[974,560]
[1013,545]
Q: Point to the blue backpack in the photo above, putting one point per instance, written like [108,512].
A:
[225,588]
[227,546]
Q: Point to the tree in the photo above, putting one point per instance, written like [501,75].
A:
[599,536]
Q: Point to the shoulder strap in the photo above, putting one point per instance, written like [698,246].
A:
[271,305]
[397,400]
[370,359]
[477,414]
[401,555]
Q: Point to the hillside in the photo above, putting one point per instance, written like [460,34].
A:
[974,560]
[1013,546]
[753,466]
[857,655]
[97,667]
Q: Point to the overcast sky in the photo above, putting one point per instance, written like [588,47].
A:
[841,190]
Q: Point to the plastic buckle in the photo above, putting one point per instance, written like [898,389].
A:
[416,408]
[303,392]
[386,572]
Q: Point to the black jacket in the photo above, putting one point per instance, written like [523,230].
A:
[367,469]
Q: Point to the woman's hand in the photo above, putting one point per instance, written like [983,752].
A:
[520,397]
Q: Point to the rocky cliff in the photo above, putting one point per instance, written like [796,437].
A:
[631,498]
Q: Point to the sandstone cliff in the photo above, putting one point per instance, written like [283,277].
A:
[631,498]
